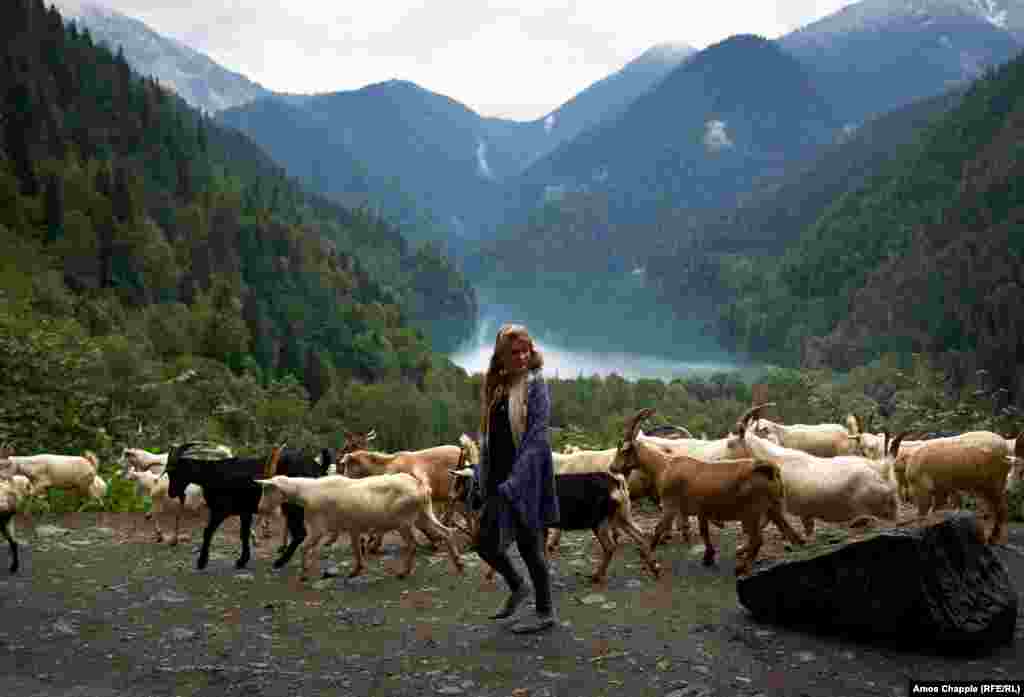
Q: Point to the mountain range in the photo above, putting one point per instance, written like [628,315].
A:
[678,161]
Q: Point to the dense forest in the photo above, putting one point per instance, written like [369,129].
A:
[925,256]
[145,245]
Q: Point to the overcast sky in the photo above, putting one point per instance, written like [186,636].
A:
[516,59]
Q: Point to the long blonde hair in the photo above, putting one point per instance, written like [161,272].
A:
[497,383]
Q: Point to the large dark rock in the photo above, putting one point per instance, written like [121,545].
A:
[938,587]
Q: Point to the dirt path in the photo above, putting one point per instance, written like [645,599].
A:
[98,611]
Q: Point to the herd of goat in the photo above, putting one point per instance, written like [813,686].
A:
[758,473]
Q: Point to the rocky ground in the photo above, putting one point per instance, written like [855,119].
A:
[98,610]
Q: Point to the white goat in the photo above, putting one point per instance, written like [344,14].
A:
[871,445]
[13,491]
[976,461]
[378,503]
[822,440]
[155,486]
[139,459]
[73,472]
[832,489]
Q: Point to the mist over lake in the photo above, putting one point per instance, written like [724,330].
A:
[568,356]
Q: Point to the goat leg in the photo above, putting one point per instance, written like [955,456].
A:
[295,520]
[357,554]
[427,521]
[631,529]
[790,533]
[554,541]
[745,562]
[659,530]
[603,535]
[705,533]
[310,547]
[406,531]
[330,540]
[177,525]
[216,518]
[11,542]
[245,532]
[1000,507]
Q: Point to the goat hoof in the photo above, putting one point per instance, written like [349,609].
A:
[278,563]
[13,569]
[709,559]
[240,564]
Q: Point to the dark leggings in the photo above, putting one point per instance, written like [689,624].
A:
[531,549]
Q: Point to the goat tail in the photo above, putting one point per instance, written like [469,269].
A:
[91,457]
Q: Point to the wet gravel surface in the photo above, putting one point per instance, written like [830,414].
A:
[99,610]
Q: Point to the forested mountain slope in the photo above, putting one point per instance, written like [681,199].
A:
[126,216]
[926,256]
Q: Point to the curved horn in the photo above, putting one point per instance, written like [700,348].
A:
[894,447]
[751,413]
[372,434]
[685,431]
[633,424]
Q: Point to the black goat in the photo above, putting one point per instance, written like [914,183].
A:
[596,501]
[7,524]
[229,488]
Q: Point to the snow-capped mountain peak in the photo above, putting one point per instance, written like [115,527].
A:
[195,77]
[868,14]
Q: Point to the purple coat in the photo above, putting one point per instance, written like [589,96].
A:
[530,488]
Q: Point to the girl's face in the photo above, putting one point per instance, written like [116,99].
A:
[517,354]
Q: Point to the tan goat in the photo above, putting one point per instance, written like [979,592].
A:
[744,489]
[431,465]
[977,461]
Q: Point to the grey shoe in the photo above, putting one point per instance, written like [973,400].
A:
[538,623]
[512,604]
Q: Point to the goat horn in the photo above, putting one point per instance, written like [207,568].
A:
[752,412]
[372,434]
[894,447]
[633,424]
